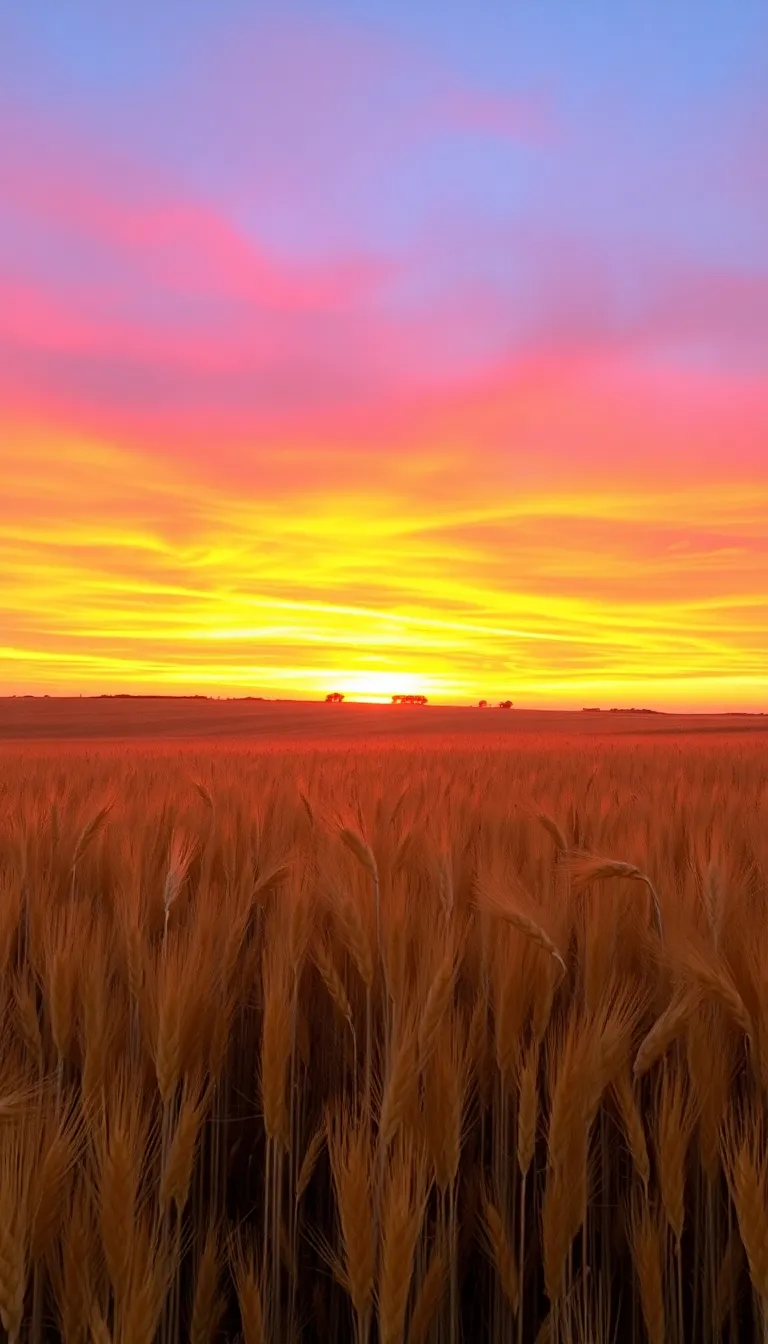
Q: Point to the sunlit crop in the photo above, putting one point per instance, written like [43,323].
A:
[424,1045]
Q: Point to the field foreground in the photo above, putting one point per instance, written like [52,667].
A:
[435,1044]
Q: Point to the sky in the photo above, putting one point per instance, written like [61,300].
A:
[385,348]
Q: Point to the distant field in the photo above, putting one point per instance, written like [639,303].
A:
[85,719]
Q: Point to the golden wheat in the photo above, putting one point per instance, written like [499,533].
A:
[204,987]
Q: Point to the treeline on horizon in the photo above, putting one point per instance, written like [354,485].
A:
[337,697]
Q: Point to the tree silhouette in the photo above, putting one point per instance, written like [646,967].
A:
[335,698]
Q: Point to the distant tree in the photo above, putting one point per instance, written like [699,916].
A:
[335,698]
[505,704]
[409,699]
[482,704]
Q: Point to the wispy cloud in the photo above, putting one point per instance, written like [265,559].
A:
[548,598]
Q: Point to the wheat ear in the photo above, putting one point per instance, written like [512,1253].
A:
[208,1303]
[428,1298]
[493,901]
[499,1246]
[647,1242]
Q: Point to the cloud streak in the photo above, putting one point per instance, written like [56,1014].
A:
[243,597]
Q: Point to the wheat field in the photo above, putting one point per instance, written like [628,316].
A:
[418,1044]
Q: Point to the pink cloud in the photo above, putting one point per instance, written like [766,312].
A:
[553,422]
[520,119]
[194,339]
[78,191]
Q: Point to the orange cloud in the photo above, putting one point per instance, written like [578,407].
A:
[123,572]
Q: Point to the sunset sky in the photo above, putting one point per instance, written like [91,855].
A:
[385,348]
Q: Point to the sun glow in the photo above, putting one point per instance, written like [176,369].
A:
[379,687]
[609,601]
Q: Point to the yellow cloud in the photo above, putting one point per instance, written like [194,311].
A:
[121,571]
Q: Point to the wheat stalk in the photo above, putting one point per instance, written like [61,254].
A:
[208,1303]
[665,1030]
[309,1162]
[349,1148]
[250,1292]
[647,1242]
[428,1298]
[88,834]
[176,1175]
[403,1205]
[584,868]
[437,1004]
[553,831]
[493,901]
[745,1161]
[499,1245]
[182,852]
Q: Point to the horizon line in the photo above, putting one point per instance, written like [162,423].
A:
[387,702]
